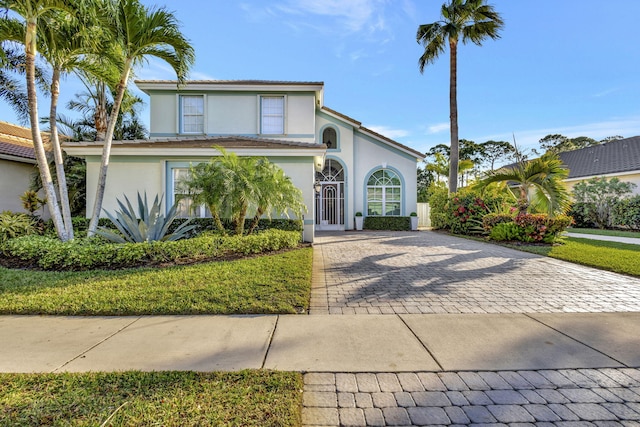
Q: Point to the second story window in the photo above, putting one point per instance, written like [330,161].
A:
[272,115]
[192,114]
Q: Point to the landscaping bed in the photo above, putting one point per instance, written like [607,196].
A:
[247,398]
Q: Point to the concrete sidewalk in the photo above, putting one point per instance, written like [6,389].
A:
[375,343]
[628,240]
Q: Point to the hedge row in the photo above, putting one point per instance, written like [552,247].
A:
[391,223]
[204,224]
[87,254]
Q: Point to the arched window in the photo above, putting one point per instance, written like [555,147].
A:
[384,193]
[330,138]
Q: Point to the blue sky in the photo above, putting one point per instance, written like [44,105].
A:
[569,66]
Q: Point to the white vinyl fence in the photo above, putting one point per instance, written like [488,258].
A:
[424,219]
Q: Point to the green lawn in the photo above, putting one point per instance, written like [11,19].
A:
[268,284]
[597,231]
[612,256]
[247,398]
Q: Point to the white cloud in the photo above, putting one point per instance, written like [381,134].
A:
[354,15]
[439,127]
[389,132]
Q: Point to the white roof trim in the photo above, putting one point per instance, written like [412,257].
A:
[607,175]
[194,152]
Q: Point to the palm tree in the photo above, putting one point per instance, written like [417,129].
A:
[139,32]
[31,11]
[539,184]
[275,193]
[471,20]
[12,90]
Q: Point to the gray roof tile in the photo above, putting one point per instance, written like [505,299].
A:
[622,155]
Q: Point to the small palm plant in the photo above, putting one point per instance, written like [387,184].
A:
[147,225]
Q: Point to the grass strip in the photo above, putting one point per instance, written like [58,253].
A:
[612,256]
[271,284]
[598,232]
[246,398]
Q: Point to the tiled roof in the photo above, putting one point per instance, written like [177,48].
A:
[16,150]
[205,142]
[232,82]
[15,141]
[617,156]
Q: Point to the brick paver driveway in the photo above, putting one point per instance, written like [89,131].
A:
[427,272]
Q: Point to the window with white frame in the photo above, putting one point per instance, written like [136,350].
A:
[272,115]
[192,110]
[384,194]
[185,206]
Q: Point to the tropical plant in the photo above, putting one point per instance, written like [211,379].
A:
[276,193]
[12,90]
[469,20]
[139,32]
[31,202]
[537,184]
[14,225]
[231,186]
[15,30]
[596,198]
[148,224]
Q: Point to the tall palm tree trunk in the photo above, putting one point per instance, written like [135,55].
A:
[100,116]
[453,116]
[106,150]
[57,154]
[43,165]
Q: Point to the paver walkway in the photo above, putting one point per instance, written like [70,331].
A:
[398,273]
[573,397]
[428,272]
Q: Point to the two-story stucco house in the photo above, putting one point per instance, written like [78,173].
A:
[340,166]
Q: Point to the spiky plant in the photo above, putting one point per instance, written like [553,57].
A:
[146,225]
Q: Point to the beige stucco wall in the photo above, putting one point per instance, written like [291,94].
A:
[14,181]
[633,178]
[129,175]
[126,176]
[234,114]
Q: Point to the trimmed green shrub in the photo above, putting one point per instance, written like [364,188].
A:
[438,204]
[208,225]
[541,227]
[490,220]
[13,225]
[580,217]
[87,254]
[626,213]
[391,223]
[506,232]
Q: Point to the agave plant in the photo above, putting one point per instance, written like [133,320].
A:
[147,225]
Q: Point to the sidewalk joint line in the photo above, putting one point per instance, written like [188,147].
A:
[575,339]
[96,345]
[422,344]
[273,332]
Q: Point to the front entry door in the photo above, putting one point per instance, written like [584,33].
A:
[330,198]
[330,204]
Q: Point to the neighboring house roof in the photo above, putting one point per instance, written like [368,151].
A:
[16,143]
[619,156]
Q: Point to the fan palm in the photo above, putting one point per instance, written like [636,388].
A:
[466,20]
[139,32]
[538,183]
